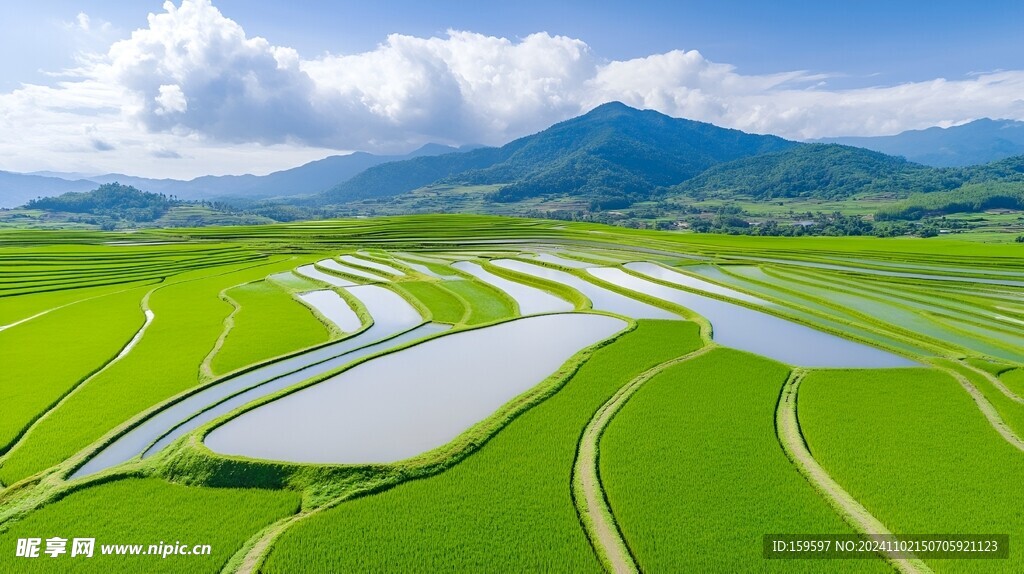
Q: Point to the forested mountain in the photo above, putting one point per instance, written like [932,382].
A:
[608,159]
[826,171]
[110,199]
[612,151]
[832,171]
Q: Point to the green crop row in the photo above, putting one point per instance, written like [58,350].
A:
[23,307]
[486,303]
[145,512]
[694,473]
[1014,380]
[269,323]
[43,359]
[444,305]
[911,446]
[188,320]
[508,506]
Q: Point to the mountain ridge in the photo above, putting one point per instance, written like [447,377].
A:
[306,179]
[975,143]
[611,150]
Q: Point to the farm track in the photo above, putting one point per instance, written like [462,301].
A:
[206,369]
[787,428]
[995,383]
[120,355]
[987,409]
[588,494]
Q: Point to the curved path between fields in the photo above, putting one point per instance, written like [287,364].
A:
[120,355]
[988,410]
[587,492]
[996,382]
[206,368]
[787,427]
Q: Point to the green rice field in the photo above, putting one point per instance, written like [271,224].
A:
[746,386]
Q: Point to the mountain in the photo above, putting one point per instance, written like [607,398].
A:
[825,171]
[307,179]
[974,143]
[614,151]
[111,199]
[17,188]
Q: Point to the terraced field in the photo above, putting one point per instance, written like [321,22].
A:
[465,393]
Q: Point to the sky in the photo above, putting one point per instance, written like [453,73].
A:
[194,87]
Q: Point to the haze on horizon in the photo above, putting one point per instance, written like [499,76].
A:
[192,90]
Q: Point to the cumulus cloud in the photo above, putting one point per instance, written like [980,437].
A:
[193,78]
[170,100]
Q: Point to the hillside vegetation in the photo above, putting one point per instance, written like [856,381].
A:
[970,198]
[112,199]
[824,171]
[612,151]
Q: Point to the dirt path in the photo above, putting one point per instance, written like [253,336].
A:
[206,368]
[255,551]
[588,494]
[995,382]
[149,316]
[988,410]
[787,426]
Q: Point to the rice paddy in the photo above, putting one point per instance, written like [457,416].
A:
[405,419]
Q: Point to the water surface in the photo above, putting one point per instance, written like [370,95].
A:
[371,264]
[314,273]
[555,259]
[882,273]
[602,299]
[669,276]
[392,315]
[342,268]
[333,308]
[749,330]
[531,300]
[406,403]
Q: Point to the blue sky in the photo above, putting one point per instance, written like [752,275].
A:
[329,79]
[870,40]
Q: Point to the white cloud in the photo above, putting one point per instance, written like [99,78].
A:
[193,85]
[171,100]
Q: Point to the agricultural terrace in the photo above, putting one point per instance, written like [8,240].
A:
[474,393]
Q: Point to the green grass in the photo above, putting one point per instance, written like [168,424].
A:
[14,309]
[188,320]
[506,507]
[912,447]
[1010,411]
[444,305]
[268,323]
[695,475]
[146,511]
[43,359]
[486,303]
[1014,380]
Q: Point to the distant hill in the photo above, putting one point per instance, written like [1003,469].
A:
[308,179]
[978,142]
[614,151]
[825,171]
[110,199]
[116,206]
[17,188]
